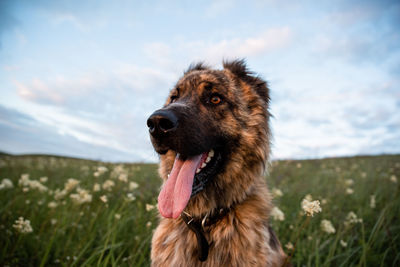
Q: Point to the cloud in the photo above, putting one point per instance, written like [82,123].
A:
[355,120]
[22,133]
[165,54]
[359,32]
[108,110]
[266,42]
[357,48]
[92,91]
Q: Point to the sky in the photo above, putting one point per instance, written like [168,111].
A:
[80,77]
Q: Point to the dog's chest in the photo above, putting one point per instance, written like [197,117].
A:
[230,245]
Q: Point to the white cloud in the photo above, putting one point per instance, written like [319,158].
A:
[171,55]
[269,41]
[101,109]
[125,79]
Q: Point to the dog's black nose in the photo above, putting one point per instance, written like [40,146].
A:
[162,122]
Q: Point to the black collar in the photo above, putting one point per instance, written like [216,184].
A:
[197,225]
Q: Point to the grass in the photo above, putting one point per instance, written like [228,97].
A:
[118,232]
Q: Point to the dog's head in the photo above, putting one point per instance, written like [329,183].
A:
[213,126]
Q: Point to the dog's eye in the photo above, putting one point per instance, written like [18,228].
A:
[215,99]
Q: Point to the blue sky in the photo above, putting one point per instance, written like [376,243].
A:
[80,78]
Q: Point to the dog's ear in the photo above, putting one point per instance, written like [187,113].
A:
[239,69]
[196,66]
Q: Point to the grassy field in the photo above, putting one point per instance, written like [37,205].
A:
[92,213]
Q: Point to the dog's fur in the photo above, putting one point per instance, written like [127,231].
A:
[238,127]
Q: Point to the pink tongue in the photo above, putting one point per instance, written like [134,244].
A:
[176,192]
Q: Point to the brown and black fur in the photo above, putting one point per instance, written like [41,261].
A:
[239,128]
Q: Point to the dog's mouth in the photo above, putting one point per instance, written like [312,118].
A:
[188,177]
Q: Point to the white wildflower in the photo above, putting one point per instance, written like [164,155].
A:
[6,183]
[108,185]
[363,175]
[310,207]
[37,185]
[298,165]
[104,198]
[130,197]
[149,207]
[100,171]
[24,180]
[60,194]
[277,214]
[52,204]
[53,221]
[343,243]
[23,226]
[349,191]
[96,187]
[133,186]
[43,179]
[372,202]
[117,216]
[308,197]
[352,218]
[71,184]
[81,197]
[327,227]
[289,246]
[27,184]
[276,192]
[123,177]
[148,224]
[393,178]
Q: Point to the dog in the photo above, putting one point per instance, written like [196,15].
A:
[213,139]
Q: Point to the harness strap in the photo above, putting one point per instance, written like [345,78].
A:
[197,226]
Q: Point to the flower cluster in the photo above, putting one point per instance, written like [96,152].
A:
[27,184]
[119,172]
[277,214]
[276,192]
[82,196]
[6,183]
[108,185]
[68,187]
[310,207]
[372,202]
[149,207]
[327,227]
[23,226]
[352,218]
[100,171]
